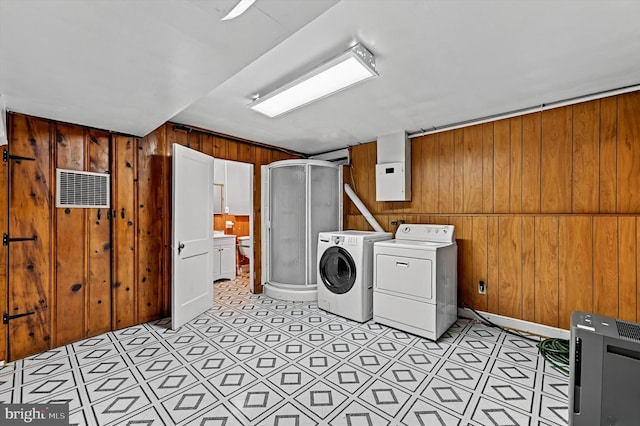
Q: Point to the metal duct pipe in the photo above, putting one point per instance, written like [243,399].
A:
[362,208]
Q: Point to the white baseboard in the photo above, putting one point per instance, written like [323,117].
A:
[517,324]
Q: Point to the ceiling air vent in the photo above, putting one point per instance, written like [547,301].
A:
[82,189]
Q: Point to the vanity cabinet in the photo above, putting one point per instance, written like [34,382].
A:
[224,257]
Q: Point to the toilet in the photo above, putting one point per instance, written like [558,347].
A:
[244,248]
[244,245]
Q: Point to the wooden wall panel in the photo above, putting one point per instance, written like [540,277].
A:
[472,169]
[4,228]
[586,164]
[528,269]
[515,188]
[30,264]
[608,154]
[429,186]
[194,140]
[124,303]
[232,150]
[487,168]
[466,278]
[628,173]
[531,140]
[627,268]
[70,231]
[501,166]
[99,246]
[166,216]
[207,142]
[605,266]
[510,266]
[479,258]
[150,204]
[458,172]
[446,169]
[546,271]
[419,184]
[575,266]
[262,156]
[246,153]
[493,264]
[637,267]
[220,147]
[555,167]
[360,183]
[181,137]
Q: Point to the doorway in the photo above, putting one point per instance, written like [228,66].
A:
[233,219]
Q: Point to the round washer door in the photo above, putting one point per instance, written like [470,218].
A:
[337,270]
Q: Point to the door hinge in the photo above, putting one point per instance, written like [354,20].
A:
[6,317]
[6,157]
[6,240]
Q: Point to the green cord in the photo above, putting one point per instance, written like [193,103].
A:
[556,353]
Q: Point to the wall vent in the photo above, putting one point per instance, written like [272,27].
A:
[82,189]
[628,330]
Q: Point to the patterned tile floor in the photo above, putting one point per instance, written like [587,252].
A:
[252,360]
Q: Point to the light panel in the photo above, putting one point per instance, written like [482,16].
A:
[349,68]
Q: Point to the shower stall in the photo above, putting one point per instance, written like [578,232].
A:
[300,199]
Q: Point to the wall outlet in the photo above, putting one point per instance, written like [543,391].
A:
[482,287]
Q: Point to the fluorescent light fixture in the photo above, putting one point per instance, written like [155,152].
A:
[239,9]
[353,66]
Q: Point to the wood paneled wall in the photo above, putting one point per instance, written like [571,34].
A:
[241,224]
[545,205]
[94,270]
[4,252]
[64,275]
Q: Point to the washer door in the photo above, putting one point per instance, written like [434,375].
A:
[337,270]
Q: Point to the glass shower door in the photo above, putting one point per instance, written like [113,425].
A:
[287,202]
[324,206]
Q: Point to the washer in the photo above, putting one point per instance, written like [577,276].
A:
[345,272]
[415,280]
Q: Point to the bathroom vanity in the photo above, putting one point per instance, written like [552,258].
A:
[224,256]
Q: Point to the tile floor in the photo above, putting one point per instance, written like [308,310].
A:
[252,360]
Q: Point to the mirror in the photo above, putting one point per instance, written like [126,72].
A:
[217,198]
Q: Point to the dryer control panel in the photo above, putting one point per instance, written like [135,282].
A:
[421,232]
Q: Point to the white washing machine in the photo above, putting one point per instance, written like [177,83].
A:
[415,280]
[345,272]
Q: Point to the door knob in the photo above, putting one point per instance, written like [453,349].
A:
[180,247]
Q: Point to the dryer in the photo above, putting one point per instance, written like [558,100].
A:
[415,280]
[345,272]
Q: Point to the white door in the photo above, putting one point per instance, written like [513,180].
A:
[192,235]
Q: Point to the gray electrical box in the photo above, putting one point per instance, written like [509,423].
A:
[604,382]
[393,168]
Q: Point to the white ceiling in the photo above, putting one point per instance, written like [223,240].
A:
[129,66]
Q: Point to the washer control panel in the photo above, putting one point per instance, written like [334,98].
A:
[420,232]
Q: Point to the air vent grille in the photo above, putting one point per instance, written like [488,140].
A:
[628,330]
[82,189]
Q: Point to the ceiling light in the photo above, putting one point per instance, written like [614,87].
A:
[239,9]
[353,66]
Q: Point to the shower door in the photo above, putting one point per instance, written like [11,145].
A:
[288,217]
